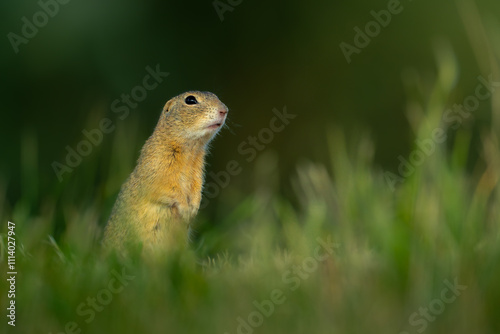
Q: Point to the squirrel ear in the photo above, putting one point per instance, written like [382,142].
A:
[166,108]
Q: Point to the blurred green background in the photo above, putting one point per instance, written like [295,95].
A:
[322,176]
[263,55]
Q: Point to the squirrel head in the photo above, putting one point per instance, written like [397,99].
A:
[194,115]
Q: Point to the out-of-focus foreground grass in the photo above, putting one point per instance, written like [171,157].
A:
[422,257]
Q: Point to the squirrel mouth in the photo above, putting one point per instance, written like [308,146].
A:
[217,122]
[215,125]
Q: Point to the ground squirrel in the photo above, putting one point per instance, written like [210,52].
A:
[163,193]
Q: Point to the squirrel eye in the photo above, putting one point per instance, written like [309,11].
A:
[191,100]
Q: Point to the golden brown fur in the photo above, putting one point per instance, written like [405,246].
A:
[163,193]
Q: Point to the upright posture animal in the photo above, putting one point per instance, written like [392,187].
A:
[158,201]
